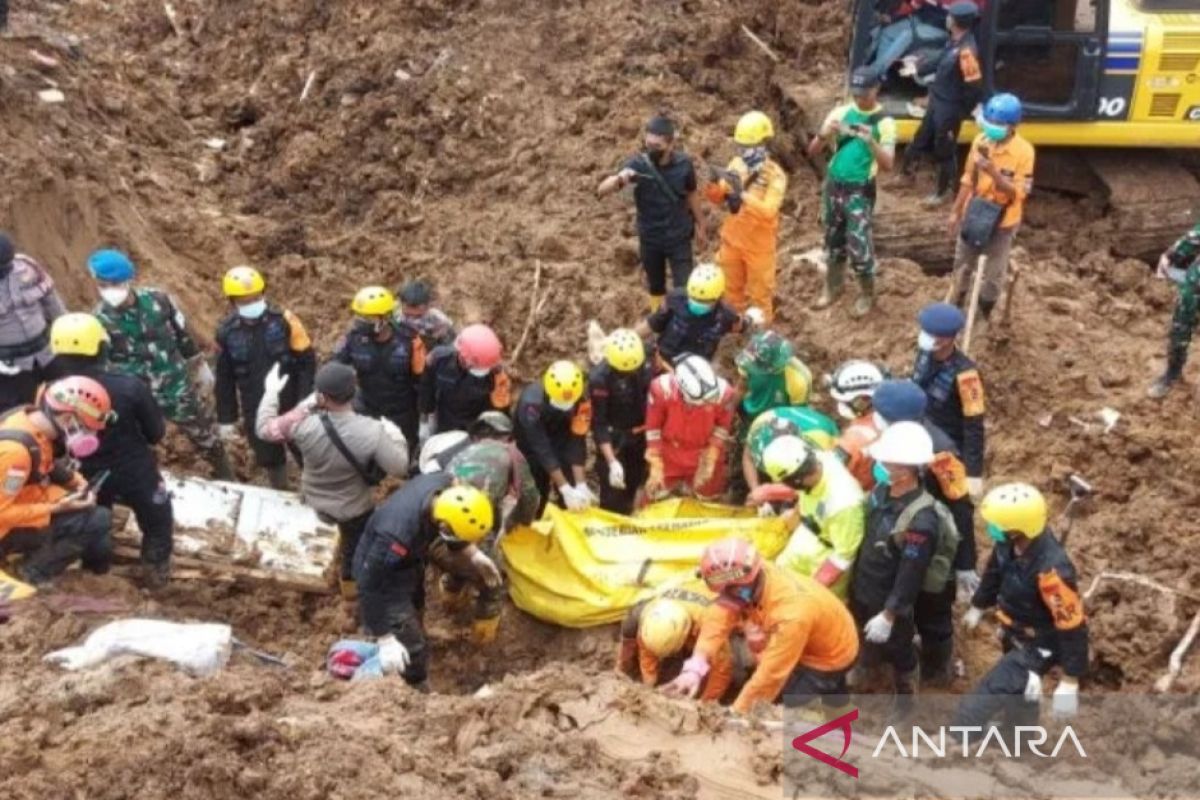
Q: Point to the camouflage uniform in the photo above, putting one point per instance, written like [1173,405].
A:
[149,339]
[818,429]
[846,214]
[1184,255]
[499,471]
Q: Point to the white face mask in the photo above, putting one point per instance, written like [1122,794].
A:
[115,296]
[253,310]
[480,372]
[562,405]
[926,341]
[846,412]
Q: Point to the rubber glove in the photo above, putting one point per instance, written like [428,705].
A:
[1033,688]
[393,656]
[616,474]
[972,617]
[968,582]
[690,678]
[1065,703]
[584,492]
[228,432]
[203,376]
[878,629]
[706,468]
[755,318]
[275,381]
[572,498]
[975,487]
[766,510]
[656,484]
[483,631]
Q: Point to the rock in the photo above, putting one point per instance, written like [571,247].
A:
[1126,274]
[51,96]
[1113,377]
[1060,306]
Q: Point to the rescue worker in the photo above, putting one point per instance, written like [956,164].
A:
[1181,265]
[48,512]
[552,420]
[695,320]
[802,421]
[951,382]
[388,359]
[29,304]
[1034,586]
[148,336]
[689,421]
[957,86]
[752,190]
[619,387]
[254,337]
[462,381]
[946,480]
[827,520]
[417,312]
[125,460]
[492,463]
[852,387]
[903,536]
[427,519]
[999,170]
[802,633]
[863,139]
[669,212]
[659,633]
[346,454]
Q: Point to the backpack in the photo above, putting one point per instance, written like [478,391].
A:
[941,566]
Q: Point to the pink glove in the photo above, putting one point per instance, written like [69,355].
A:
[689,680]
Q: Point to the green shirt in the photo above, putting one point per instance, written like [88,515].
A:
[854,162]
[788,421]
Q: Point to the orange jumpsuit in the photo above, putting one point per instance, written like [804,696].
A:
[804,623]
[852,447]
[749,237]
[26,503]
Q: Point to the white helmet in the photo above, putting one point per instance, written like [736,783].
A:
[698,381]
[906,443]
[855,379]
[430,460]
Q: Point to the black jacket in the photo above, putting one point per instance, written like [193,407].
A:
[956,404]
[545,435]
[887,576]
[389,373]
[128,441]
[449,390]
[399,532]
[618,400]
[248,350]
[680,331]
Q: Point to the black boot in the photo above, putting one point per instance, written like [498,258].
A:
[937,667]
[222,468]
[1175,361]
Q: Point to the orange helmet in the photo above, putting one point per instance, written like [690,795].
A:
[82,397]
[730,563]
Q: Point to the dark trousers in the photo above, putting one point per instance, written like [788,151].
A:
[349,532]
[937,137]
[934,615]
[805,686]
[141,487]
[898,650]
[392,601]
[630,449]
[21,389]
[1001,693]
[84,536]
[655,257]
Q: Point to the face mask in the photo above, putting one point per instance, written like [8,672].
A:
[881,475]
[80,443]
[754,157]
[846,412]
[926,341]
[252,310]
[563,405]
[743,594]
[700,309]
[114,296]
[994,133]
[996,534]
[479,372]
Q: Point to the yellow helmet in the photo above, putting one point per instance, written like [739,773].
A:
[1015,507]
[788,457]
[753,129]
[465,512]
[373,301]
[563,382]
[664,627]
[706,284]
[77,335]
[624,350]
[243,282]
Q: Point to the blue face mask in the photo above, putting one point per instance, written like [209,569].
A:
[995,534]
[253,310]
[994,133]
[744,594]
[881,475]
[700,309]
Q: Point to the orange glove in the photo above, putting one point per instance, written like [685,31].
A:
[656,483]
[627,657]
[706,467]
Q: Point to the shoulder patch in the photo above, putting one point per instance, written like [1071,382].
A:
[969,65]
[1064,603]
[14,481]
[299,341]
[970,392]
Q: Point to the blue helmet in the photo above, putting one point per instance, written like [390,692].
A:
[941,319]
[899,401]
[111,265]
[1003,109]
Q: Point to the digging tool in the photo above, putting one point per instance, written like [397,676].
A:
[1080,490]
[976,287]
[266,658]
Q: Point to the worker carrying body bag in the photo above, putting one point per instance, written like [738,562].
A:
[982,217]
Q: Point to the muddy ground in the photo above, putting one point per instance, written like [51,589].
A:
[336,144]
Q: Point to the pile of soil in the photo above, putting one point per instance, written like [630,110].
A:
[334,145]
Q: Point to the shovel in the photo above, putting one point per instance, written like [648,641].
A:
[1080,490]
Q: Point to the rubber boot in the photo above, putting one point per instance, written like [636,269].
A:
[277,477]
[655,302]
[866,298]
[937,664]
[904,703]
[222,468]
[834,277]
[156,576]
[1158,390]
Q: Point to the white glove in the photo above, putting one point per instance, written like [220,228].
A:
[425,430]
[228,433]
[9,368]
[975,487]
[1065,703]
[1033,688]
[755,317]
[1163,263]
[766,510]
[205,380]
[878,629]
[487,568]
[968,582]
[573,499]
[275,381]
[972,617]
[393,656]
[585,492]
[616,474]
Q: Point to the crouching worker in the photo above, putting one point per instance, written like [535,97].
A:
[425,520]
[804,635]
[48,513]
[658,634]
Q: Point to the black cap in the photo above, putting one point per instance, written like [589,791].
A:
[963,10]
[336,381]
[863,80]
[661,126]
[416,293]
[7,251]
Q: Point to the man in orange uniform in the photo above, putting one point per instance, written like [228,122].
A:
[662,631]
[47,511]
[689,419]
[806,637]
[752,189]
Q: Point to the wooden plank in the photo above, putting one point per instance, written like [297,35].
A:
[188,567]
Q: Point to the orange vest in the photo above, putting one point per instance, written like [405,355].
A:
[25,502]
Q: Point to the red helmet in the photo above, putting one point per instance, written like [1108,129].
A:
[730,562]
[478,347]
[83,397]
